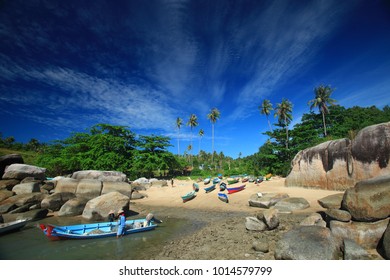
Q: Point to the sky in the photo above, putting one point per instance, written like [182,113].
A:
[68,65]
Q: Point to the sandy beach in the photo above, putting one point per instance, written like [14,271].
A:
[223,234]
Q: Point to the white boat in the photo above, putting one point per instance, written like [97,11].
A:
[12,226]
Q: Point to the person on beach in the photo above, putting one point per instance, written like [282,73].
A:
[121,224]
[111,216]
[172,182]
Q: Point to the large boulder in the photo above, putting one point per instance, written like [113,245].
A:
[386,243]
[4,194]
[73,207]
[266,200]
[292,204]
[20,171]
[89,188]
[55,201]
[369,200]
[8,184]
[331,201]
[340,164]
[98,208]
[8,160]
[66,185]
[19,200]
[366,235]
[121,187]
[27,188]
[105,176]
[307,243]
[32,215]
[353,251]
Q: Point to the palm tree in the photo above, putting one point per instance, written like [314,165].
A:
[322,100]
[201,133]
[283,112]
[179,123]
[213,116]
[192,122]
[265,109]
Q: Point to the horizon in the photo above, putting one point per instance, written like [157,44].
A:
[143,64]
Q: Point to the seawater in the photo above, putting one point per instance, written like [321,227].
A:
[30,243]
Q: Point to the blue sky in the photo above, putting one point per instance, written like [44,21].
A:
[67,65]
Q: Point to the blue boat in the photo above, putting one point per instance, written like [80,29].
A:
[222,186]
[223,197]
[96,230]
[216,180]
[209,189]
[195,187]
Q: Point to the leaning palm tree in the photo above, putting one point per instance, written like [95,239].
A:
[265,109]
[283,112]
[213,116]
[179,123]
[201,133]
[192,122]
[322,100]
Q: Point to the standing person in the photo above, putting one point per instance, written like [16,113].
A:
[172,182]
[121,224]
[111,216]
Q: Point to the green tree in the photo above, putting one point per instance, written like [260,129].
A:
[265,109]
[179,123]
[213,116]
[322,100]
[284,114]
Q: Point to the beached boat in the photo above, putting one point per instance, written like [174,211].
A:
[236,189]
[245,179]
[209,189]
[220,176]
[95,230]
[188,196]
[12,226]
[216,180]
[223,197]
[222,186]
[206,181]
[195,187]
[232,181]
[268,176]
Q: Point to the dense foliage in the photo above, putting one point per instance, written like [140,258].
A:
[109,147]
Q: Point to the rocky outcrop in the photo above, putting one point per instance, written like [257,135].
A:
[73,207]
[353,251]
[104,176]
[266,200]
[55,201]
[27,188]
[369,200]
[20,171]
[99,207]
[331,201]
[121,187]
[340,164]
[8,160]
[66,185]
[386,243]
[292,204]
[308,243]
[89,188]
[8,184]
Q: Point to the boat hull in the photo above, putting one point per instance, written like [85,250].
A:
[12,226]
[223,197]
[188,196]
[237,189]
[95,230]
[209,189]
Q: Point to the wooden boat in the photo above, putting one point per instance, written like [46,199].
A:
[245,179]
[268,176]
[209,189]
[95,230]
[188,196]
[223,197]
[206,181]
[12,226]
[232,181]
[220,176]
[216,180]
[236,189]
[222,186]
[195,187]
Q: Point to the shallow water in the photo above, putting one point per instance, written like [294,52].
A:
[30,243]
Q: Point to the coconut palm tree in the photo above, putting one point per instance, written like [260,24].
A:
[213,116]
[201,133]
[192,122]
[265,109]
[284,114]
[322,100]
[179,123]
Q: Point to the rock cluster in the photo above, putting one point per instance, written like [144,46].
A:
[340,164]
[352,224]
[92,194]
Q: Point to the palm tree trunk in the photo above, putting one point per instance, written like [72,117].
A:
[323,120]
[285,123]
[269,124]
[212,155]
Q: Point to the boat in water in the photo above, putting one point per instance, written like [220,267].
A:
[12,226]
[97,230]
